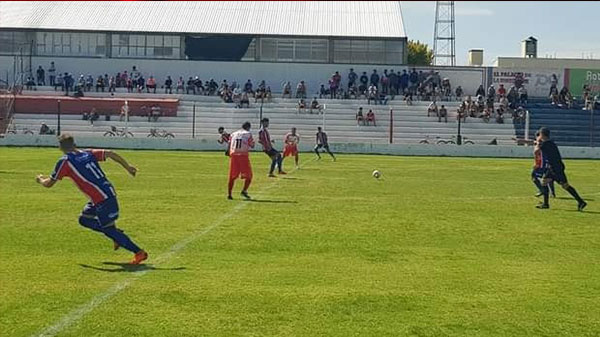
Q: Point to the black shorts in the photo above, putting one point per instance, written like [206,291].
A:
[272,152]
[325,146]
[556,175]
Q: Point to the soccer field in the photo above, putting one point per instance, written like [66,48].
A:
[437,247]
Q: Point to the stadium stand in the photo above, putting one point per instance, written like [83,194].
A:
[411,124]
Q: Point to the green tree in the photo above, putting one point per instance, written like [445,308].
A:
[419,54]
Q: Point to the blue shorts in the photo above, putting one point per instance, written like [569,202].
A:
[107,211]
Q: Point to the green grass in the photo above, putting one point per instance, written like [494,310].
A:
[438,247]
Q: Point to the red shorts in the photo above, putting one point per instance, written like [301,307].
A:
[290,150]
[239,165]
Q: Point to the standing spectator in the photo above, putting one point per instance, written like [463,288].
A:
[323,91]
[287,90]
[522,95]
[180,85]
[151,85]
[59,82]
[68,79]
[30,84]
[394,83]
[52,73]
[352,77]
[124,112]
[118,83]
[374,78]
[332,88]
[403,82]
[100,83]
[385,82]
[364,81]
[414,81]
[169,85]
[335,81]
[41,77]
[129,84]
[480,91]
[301,90]
[112,84]
[124,78]
[135,74]
[459,93]
[519,80]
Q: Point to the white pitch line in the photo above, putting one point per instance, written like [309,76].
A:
[77,314]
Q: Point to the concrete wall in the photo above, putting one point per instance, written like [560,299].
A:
[276,74]
[389,149]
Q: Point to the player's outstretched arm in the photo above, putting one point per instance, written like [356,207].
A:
[45,181]
[114,156]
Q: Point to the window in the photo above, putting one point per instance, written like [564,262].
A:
[300,50]
[368,51]
[251,52]
[70,44]
[146,46]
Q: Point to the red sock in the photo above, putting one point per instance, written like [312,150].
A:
[247,183]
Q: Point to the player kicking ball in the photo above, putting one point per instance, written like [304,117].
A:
[239,160]
[556,169]
[540,167]
[322,143]
[264,138]
[291,141]
[102,211]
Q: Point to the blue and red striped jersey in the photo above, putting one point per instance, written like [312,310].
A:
[83,168]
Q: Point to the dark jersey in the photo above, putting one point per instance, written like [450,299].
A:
[552,156]
[322,138]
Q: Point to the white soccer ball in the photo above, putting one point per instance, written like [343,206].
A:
[376,174]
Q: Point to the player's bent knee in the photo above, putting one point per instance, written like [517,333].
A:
[88,221]
[565,185]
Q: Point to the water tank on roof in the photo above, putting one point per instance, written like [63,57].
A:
[476,57]
[529,47]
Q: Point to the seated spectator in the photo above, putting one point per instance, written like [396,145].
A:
[503,103]
[383,98]
[30,84]
[372,94]
[237,96]
[248,87]
[301,90]
[141,83]
[89,83]
[519,114]
[480,91]
[486,115]
[287,90]
[432,109]
[100,83]
[245,100]
[211,88]
[314,105]
[370,118]
[353,91]
[554,95]
[45,130]
[169,85]
[461,112]
[124,113]
[360,118]
[180,85]
[155,113]
[442,112]
[565,98]
[91,116]
[408,97]
[501,91]
[446,88]
[522,95]
[480,104]
[80,83]
[190,86]
[199,88]
[78,92]
[469,103]
[302,105]
[499,116]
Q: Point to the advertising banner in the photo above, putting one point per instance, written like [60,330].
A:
[578,77]
[536,81]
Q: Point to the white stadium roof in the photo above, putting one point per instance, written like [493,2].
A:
[296,18]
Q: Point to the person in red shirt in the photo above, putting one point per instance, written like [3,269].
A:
[240,144]
[501,91]
[370,117]
[101,212]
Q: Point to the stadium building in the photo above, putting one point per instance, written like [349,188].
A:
[277,41]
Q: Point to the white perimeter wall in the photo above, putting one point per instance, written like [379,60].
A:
[391,149]
[274,73]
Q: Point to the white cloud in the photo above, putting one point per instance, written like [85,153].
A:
[473,12]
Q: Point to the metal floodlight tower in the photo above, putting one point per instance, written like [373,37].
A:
[444,51]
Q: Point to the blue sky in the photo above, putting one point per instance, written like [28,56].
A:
[563,29]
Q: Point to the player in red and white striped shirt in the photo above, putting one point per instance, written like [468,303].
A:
[264,138]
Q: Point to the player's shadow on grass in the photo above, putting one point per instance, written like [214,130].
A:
[273,201]
[570,198]
[582,212]
[128,267]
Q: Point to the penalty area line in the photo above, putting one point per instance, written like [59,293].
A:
[78,313]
